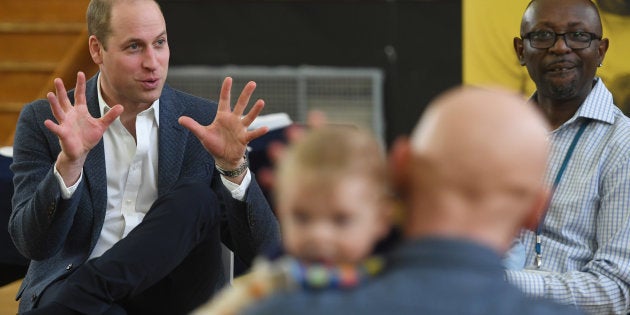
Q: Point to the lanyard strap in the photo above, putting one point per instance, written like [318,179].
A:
[556,181]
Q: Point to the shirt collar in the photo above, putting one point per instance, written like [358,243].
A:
[598,105]
[104,107]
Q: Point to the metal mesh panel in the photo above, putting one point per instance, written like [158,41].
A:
[349,96]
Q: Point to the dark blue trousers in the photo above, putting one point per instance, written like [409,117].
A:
[169,264]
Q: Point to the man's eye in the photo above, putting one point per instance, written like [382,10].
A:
[542,35]
[133,46]
[580,36]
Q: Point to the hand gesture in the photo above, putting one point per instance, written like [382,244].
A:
[77,130]
[226,138]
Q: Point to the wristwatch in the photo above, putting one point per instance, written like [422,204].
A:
[235,172]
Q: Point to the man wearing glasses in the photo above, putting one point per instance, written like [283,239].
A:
[580,253]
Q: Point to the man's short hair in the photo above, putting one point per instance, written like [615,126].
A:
[98,17]
[99,13]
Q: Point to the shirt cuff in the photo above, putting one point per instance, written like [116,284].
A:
[66,192]
[238,191]
[532,282]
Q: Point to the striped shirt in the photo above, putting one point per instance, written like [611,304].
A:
[586,232]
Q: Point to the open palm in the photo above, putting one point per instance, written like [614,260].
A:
[226,138]
[77,130]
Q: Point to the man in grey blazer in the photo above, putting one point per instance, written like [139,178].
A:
[125,187]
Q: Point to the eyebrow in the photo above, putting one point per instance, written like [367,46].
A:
[161,34]
[135,39]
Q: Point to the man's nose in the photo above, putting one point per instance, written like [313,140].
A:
[150,60]
[560,46]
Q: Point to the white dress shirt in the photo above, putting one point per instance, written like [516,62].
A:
[132,168]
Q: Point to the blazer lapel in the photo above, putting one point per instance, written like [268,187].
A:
[172,140]
[94,172]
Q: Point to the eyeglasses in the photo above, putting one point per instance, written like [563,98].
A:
[574,40]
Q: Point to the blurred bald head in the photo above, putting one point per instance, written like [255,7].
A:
[475,166]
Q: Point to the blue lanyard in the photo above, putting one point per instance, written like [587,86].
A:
[563,167]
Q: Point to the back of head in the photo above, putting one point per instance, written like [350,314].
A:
[478,158]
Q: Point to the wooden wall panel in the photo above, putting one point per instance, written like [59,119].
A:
[22,86]
[41,40]
[65,11]
[39,47]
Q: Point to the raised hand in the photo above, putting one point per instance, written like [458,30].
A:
[226,138]
[77,130]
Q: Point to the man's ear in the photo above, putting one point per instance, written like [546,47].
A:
[96,49]
[518,48]
[602,49]
[399,164]
[537,212]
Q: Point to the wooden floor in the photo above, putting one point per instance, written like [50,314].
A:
[8,304]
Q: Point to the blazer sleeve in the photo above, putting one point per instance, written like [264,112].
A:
[40,220]
[249,227]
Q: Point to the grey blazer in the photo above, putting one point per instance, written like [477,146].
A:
[58,235]
[429,275]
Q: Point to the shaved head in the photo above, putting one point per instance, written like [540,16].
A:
[476,165]
[483,134]
[534,5]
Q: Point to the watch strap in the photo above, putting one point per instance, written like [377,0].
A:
[235,172]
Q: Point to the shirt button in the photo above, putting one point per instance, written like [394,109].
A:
[68,267]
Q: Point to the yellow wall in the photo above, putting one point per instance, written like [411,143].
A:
[489,59]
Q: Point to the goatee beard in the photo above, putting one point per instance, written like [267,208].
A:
[562,91]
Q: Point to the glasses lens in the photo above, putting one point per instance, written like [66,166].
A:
[578,45]
[542,39]
[578,39]
[538,43]
[574,40]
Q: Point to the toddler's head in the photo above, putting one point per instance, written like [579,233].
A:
[332,196]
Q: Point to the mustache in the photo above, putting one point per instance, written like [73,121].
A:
[561,63]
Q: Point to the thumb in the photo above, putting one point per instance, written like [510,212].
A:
[53,127]
[191,125]
[112,114]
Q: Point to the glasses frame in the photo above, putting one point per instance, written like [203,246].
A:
[564,36]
